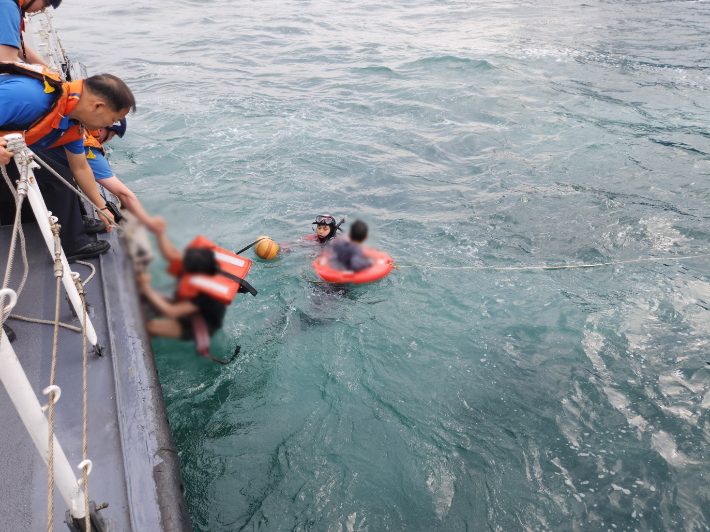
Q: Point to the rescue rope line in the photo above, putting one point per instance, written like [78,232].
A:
[531,268]
[93,271]
[44,322]
[309,280]
[85,475]
[23,247]
[568,267]
[26,266]
[50,461]
[49,322]
[11,255]
[75,191]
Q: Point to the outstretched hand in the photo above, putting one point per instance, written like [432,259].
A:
[157,225]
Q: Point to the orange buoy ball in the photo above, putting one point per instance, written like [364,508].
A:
[266,249]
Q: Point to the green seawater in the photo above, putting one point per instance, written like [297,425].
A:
[466,134]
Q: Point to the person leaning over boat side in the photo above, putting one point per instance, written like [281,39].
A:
[12,14]
[176,321]
[52,113]
[95,155]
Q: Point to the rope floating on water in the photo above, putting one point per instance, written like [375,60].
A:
[530,268]
[567,267]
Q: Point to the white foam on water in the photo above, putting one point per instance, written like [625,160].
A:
[441,485]
[665,445]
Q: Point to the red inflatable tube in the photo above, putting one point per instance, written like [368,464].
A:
[381,266]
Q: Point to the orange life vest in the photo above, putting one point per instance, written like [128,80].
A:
[92,142]
[66,98]
[221,287]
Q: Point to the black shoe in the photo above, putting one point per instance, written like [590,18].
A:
[93,226]
[9,332]
[90,251]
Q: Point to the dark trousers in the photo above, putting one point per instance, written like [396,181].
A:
[61,201]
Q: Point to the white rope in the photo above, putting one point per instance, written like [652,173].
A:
[44,322]
[23,246]
[85,475]
[16,228]
[75,190]
[93,270]
[568,267]
[52,377]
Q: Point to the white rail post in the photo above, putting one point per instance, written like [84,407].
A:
[24,162]
[20,391]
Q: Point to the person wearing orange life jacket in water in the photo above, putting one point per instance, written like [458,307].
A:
[95,155]
[12,24]
[208,279]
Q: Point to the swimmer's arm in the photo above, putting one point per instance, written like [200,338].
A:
[167,249]
[165,307]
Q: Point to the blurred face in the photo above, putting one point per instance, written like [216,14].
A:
[322,230]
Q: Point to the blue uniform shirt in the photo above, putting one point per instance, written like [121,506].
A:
[10,19]
[22,101]
[99,164]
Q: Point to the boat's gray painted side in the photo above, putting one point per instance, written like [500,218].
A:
[136,468]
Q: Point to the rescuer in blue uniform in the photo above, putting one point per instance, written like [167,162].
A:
[11,25]
[98,101]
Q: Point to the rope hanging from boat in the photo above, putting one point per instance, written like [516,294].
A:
[74,190]
[16,229]
[85,462]
[23,246]
[58,270]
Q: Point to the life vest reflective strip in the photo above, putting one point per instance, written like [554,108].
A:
[66,98]
[221,287]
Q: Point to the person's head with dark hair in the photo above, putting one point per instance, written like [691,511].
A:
[358,231]
[105,99]
[32,6]
[325,227]
[200,260]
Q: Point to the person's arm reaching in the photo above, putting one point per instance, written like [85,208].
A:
[33,58]
[84,177]
[167,249]
[161,304]
[130,201]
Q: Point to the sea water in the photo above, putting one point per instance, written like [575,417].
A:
[468,135]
